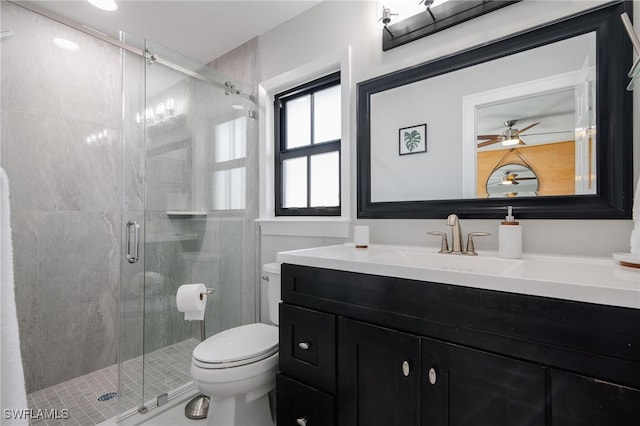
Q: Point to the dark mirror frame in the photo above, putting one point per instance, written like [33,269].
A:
[614,121]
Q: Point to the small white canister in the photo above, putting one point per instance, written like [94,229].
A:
[361,236]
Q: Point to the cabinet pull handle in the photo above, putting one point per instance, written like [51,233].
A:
[133,258]
[406,368]
[305,346]
[302,421]
[432,376]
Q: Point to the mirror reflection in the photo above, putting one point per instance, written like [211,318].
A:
[512,180]
[541,99]
[543,137]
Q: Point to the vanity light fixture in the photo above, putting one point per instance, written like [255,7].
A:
[108,5]
[163,111]
[386,18]
[63,43]
[428,4]
[439,15]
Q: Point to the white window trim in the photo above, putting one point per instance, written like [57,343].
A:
[314,226]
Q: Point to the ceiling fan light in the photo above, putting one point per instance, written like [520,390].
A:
[109,5]
[511,142]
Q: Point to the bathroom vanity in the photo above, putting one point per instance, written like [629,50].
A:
[395,335]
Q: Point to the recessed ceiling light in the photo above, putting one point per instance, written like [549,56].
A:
[109,5]
[65,44]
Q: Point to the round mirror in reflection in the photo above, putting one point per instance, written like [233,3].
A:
[512,180]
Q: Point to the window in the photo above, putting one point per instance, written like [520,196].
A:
[307,155]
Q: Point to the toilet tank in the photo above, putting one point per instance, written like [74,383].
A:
[272,276]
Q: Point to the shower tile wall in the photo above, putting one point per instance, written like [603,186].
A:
[65,194]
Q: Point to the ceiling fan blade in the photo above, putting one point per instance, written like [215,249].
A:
[488,136]
[489,142]
[526,128]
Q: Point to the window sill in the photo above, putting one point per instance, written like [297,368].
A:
[338,227]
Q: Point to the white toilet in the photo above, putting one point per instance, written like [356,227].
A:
[237,367]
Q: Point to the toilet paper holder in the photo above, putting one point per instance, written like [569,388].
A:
[198,407]
[207,291]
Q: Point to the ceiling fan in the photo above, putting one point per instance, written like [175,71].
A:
[508,137]
[510,178]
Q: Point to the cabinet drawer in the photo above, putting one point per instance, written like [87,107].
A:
[300,405]
[308,347]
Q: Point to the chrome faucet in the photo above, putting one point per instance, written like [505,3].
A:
[456,238]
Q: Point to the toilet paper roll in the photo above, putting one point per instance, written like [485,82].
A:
[192,299]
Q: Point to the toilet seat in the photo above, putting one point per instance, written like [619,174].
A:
[237,346]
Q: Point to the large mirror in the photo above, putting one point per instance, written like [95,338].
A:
[550,103]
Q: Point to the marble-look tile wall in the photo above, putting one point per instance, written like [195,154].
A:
[60,146]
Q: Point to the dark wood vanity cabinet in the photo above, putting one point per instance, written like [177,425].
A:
[358,349]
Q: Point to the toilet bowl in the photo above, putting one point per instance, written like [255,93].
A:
[237,367]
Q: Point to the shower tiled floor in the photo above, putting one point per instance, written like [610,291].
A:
[165,369]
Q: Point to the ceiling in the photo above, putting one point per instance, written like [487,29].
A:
[201,30]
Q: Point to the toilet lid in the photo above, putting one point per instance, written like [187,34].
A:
[246,342]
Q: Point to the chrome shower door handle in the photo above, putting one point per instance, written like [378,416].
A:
[133,225]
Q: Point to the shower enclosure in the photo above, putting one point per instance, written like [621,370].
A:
[195,129]
[132,171]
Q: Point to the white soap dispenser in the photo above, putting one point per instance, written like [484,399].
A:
[510,237]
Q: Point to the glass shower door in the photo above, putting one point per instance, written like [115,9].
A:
[192,165]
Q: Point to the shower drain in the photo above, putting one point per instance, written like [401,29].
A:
[107,396]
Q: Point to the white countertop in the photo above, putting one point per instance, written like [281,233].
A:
[586,279]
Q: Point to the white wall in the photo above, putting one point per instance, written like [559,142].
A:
[335,25]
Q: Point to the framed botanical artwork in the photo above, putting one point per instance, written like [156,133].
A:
[412,140]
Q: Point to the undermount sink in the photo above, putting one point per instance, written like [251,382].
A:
[449,262]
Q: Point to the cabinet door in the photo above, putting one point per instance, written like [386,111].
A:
[299,404]
[467,387]
[379,376]
[583,401]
